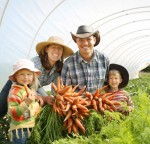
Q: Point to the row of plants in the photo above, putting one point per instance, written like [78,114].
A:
[110,128]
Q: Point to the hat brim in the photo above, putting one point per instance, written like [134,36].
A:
[124,73]
[67,51]
[12,78]
[85,35]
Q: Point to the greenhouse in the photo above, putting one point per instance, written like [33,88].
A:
[124,27]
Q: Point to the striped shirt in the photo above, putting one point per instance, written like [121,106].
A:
[124,98]
[22,116]
[92,74]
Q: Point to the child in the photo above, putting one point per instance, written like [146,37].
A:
[118,78]
[23,105]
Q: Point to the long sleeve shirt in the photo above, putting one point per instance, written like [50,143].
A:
[90,74]
[22,116]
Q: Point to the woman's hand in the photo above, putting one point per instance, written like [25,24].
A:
[48,99]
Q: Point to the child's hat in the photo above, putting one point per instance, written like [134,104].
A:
[124,74]
[24,64]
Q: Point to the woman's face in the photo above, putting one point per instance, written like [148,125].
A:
[54,53]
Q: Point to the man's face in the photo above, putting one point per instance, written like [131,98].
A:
[86,45]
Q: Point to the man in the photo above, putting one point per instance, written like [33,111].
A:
[87,67]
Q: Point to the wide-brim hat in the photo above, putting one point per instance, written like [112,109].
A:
[124,74]
[24,64]
[86,31]
[67,51]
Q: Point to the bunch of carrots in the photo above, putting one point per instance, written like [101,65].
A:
[74,106]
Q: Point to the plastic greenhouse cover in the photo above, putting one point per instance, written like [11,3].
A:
[124,26]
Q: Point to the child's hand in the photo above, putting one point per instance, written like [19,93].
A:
[30,98]
[40,100]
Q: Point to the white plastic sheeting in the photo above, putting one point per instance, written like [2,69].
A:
[124,26]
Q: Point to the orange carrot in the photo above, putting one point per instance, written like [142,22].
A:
[68,115]
[58,84]
[67,106]
[104,87]
[28,91]
[74,88]
[54,87]
[63,90]
[79,124]
[74,129]
[81,107]
[65,123]
[96,92]
[70,122]
[89,95]
[94,104]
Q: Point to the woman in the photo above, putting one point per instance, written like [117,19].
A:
[49,61]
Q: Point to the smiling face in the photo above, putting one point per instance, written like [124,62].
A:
[24,76]
[86,45]
[114,79]
[54,53]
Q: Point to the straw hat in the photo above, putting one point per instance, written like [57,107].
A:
[86,31]
[124,74]
[21,64]
[54,40]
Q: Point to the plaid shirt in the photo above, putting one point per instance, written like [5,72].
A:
[92,74]
[45,78]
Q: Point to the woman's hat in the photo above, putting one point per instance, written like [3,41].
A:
[124,74]
[24,64]
[54,40]
[86,31]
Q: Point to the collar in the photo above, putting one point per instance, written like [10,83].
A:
[80,59]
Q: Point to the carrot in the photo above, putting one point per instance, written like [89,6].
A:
[96,92]
[58,84]
[79,124]
[69,130]
[105,95]
[74,107]
[74,129]
[81,91]
[55,107]
[54,87]
[59,98]
[116,103]
[28,91]
[94,104]
[89,95]
[100,90]
[63,90]
[65,123]
[82,107]
[68,99]
[80,116]
[70,122]
[67,106]
[68,115]
[74,88]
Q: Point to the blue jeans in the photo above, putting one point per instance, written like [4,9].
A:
[22,137]
[3,98]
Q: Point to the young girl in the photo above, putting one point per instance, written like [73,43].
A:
[118,78]
[23,103]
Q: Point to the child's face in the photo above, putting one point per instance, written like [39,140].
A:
[114,80]
[24,76]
